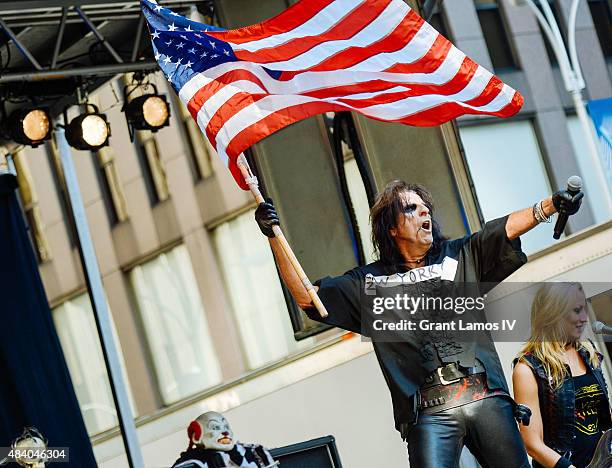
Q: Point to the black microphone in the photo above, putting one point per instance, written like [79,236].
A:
[574,184]
[601,328]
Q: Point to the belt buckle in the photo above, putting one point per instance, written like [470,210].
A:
[443,381]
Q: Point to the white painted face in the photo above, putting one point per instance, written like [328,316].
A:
[414,225]
[212,431]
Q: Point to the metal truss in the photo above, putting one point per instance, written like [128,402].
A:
[59,39]
[48,12]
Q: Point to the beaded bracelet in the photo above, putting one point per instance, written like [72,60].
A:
[539,215]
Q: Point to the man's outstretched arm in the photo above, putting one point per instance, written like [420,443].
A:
[524,220]
[266,217]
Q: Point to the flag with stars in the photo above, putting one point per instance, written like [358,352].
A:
[375,57]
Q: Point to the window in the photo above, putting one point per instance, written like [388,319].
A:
[153,168]
[198,147]
[149,157]
[110,184]
[602,19]
[438,21]
[495,35]
[29,201]
[359,200]
[255,292]
[108,177]
[587,168]
[175,325]
[78,335]
[347,148]
[508,173]
[601,306]
[60,183]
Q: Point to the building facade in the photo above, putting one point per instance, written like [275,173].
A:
[201,317]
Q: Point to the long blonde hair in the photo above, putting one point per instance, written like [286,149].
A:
[548,337]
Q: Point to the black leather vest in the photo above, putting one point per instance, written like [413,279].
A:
[557,405]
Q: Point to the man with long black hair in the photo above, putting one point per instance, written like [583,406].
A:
[446,393]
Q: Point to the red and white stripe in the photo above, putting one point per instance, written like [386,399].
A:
[375,57]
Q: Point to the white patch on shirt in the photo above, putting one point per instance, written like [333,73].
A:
[445,271]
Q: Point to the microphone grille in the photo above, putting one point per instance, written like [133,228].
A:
[574,182]
[597,327]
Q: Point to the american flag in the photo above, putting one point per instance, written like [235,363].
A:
[375,57]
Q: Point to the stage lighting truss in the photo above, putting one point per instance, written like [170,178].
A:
[89,131]
[30,126]
[149,111]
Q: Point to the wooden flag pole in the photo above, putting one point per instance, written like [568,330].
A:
[251,181]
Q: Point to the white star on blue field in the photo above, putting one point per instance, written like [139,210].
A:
[182,47]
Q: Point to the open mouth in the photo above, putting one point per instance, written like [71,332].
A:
[224,440]
[426,226]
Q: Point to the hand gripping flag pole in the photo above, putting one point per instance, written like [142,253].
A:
[253,185]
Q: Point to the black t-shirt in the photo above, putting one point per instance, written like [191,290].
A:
[590,405]
[487,256]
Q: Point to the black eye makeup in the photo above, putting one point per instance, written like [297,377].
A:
[410,208]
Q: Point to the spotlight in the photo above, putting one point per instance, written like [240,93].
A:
[89,131]
[30,126]
[147,112]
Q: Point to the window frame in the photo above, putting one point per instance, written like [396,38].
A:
[200,157]
[544,159]
[296,315]
[507,43]
[28,201]
[342,133]
[152,167]
[71,297]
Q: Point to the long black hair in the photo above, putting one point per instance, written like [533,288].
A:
[384,216]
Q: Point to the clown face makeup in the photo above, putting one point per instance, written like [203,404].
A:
[212,431]
[414,225]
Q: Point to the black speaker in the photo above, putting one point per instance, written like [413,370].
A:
[316,453]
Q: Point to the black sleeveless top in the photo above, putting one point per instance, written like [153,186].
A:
[590,406]
[568,412]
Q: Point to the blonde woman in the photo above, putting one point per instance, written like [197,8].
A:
[558,375]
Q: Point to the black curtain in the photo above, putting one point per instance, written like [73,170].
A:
[35,386]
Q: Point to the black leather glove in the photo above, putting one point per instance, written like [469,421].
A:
[566,203]
[564,463]
[522,414]
[266,217]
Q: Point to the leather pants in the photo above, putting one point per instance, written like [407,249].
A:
[487,427]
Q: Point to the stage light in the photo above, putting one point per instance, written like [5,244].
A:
[148,112]
[89,131]
[30,126]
